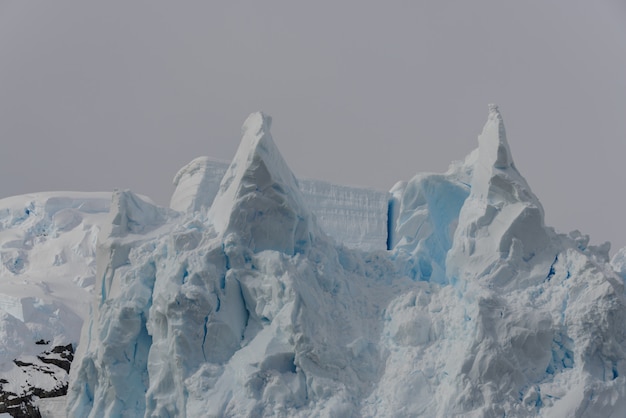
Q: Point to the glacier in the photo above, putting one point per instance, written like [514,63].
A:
[259,294]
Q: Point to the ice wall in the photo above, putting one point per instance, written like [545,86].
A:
[355,217]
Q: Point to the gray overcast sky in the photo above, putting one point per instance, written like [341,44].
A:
[97,95]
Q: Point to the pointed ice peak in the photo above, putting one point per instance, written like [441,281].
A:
[501,222]
[494,175]
[257,156]
[493,147]
[259,198]
[257,139]
[257,123]
[493,110]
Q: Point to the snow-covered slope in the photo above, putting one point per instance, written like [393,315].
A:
[47,249]
[248,308]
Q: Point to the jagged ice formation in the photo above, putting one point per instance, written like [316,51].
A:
[248,308]
[256,294]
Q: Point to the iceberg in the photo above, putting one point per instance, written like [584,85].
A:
[259,294]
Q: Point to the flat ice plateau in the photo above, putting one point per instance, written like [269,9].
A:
[256,294]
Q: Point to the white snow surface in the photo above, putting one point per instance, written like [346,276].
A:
[47,272]
[47,249]
[236,302]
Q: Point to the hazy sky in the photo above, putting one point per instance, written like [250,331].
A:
[98,95]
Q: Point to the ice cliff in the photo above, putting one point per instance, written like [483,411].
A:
[257,294]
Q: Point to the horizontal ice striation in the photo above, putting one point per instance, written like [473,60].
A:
[355,217]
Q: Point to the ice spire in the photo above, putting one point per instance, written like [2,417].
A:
[493,145]
[502,220]
[259,198]
[495,177]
